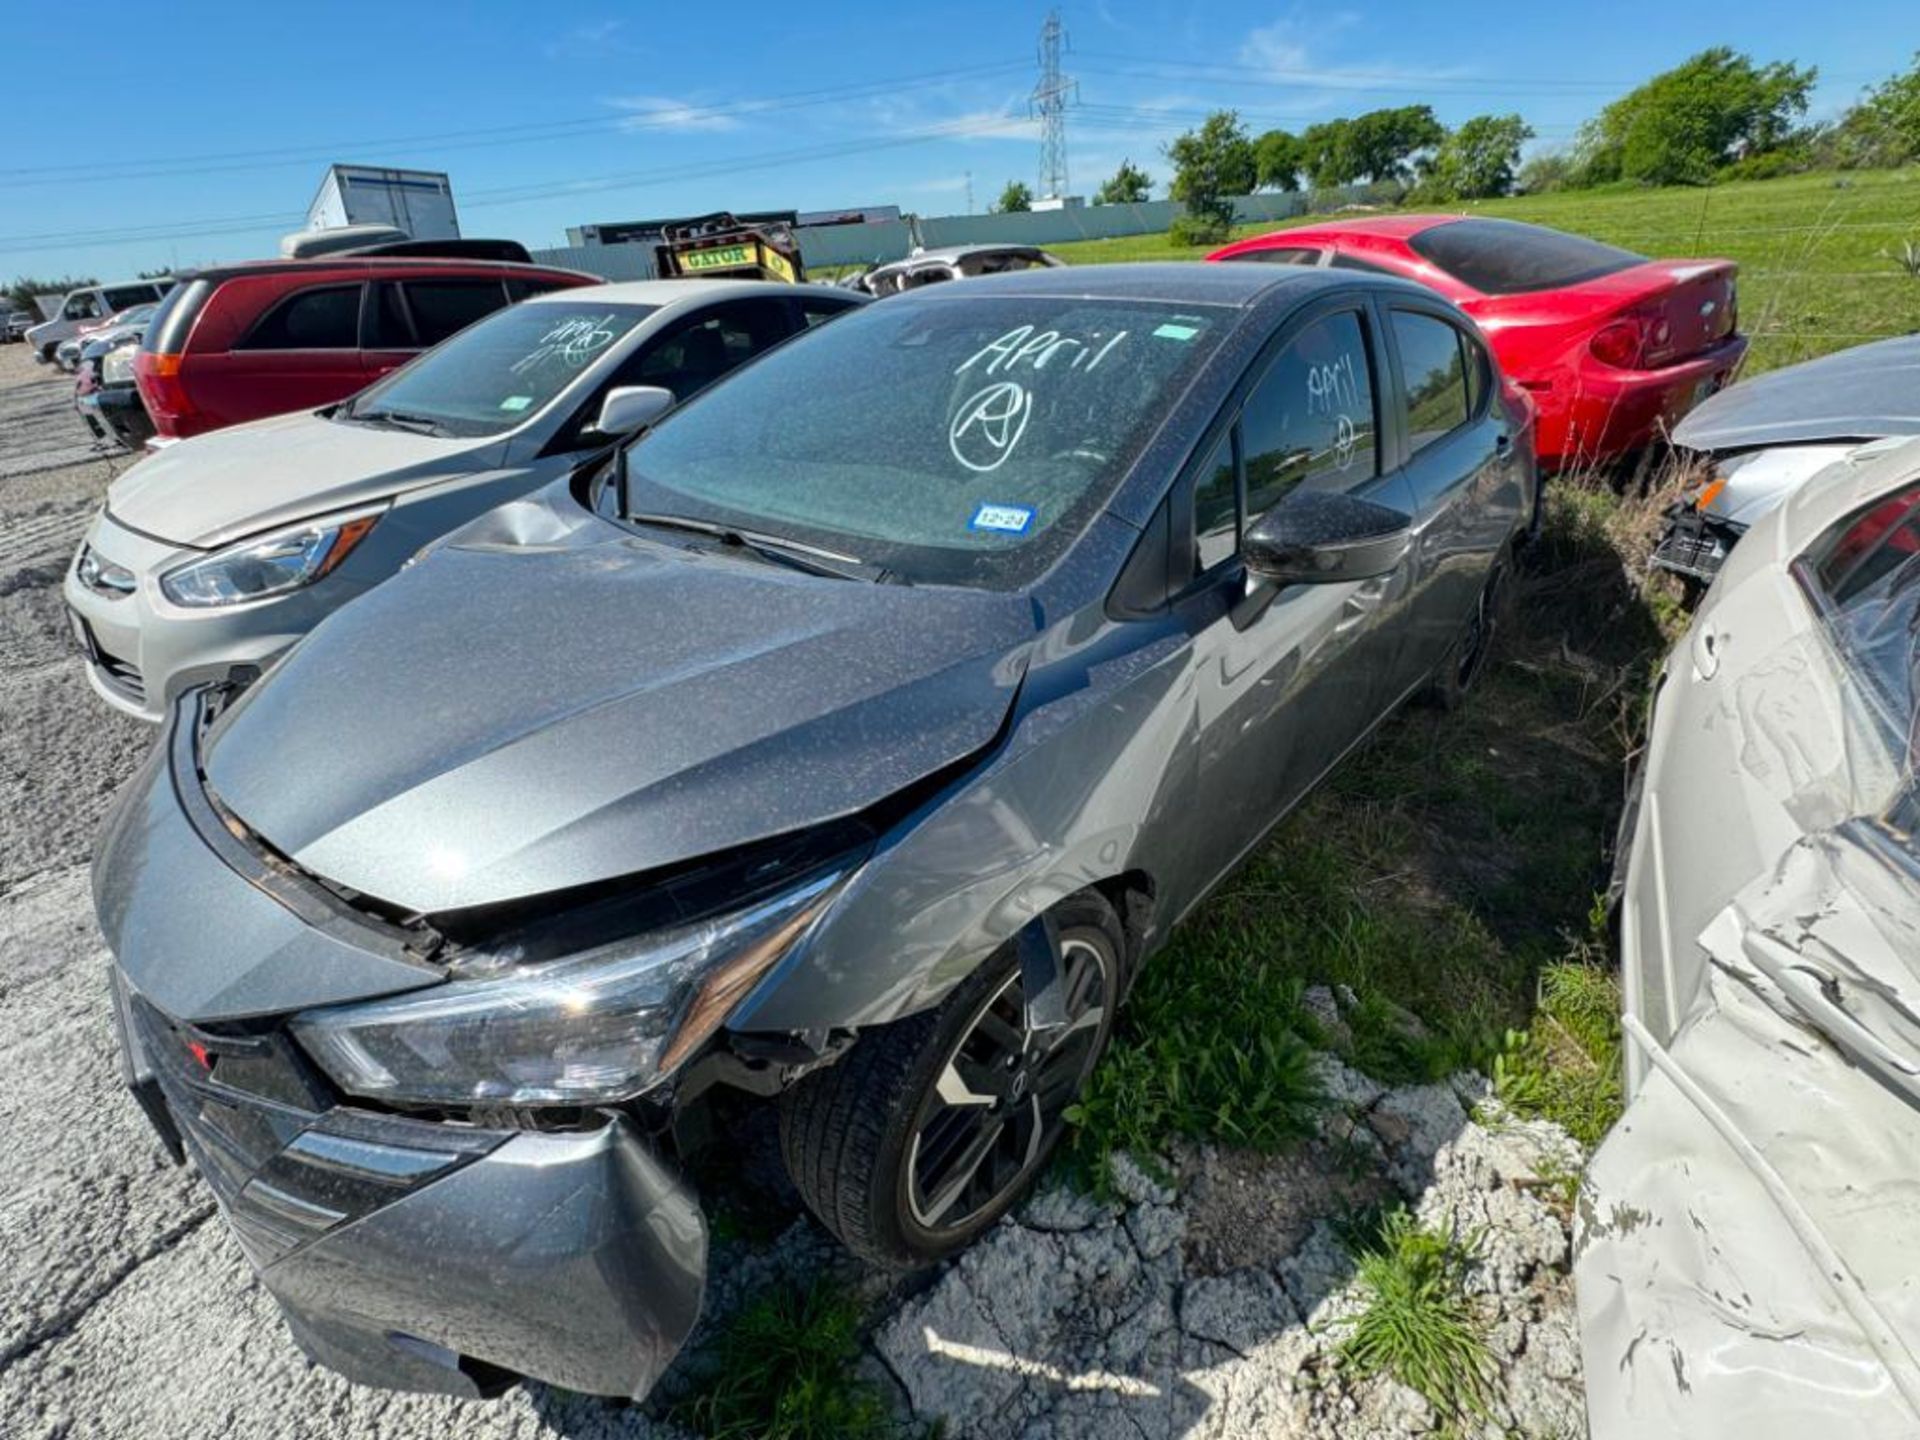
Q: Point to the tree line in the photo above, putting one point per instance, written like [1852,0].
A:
[1715,116]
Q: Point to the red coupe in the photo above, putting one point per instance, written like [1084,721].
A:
[1612,347]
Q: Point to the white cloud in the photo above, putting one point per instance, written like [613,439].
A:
[659,112]
[592,41]
[1290,47]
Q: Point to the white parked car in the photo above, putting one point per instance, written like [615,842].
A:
[213,556]
[1746,1235]
[87,305]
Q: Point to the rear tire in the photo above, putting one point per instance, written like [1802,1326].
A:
[879,1144]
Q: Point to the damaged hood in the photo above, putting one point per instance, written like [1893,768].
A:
[1865,393]
[548,700]
[214,489]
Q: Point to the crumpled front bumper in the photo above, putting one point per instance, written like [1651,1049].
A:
[407,1253]
[417,1255]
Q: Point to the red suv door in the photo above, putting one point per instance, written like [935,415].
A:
[302,351]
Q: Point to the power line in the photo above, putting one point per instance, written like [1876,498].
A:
[516,195]
[490,137]
[1392,80]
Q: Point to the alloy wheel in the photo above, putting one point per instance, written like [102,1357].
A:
[997,1101]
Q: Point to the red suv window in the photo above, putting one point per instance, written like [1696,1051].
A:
[327,318]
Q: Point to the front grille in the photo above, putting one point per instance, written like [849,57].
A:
[122,677]
[261,1125]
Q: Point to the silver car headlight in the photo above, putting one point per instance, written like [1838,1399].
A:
[269,565]
[116,366]
[586,1029]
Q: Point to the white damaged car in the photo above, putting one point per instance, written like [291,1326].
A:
[1746,1237]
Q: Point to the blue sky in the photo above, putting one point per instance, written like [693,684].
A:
[205,132]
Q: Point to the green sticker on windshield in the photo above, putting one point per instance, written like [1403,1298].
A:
[1171,331]
[516,402]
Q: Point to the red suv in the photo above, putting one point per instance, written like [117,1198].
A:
[237,342]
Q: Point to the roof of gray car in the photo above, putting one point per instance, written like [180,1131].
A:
[1182,282]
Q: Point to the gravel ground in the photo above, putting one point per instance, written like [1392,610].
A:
[1208,1306]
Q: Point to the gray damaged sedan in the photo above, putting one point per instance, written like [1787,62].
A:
[847,744]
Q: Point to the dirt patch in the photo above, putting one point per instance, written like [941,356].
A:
[1254,1210]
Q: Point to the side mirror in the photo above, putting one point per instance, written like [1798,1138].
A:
[1321,537]
[629,407]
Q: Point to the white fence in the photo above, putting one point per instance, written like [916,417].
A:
[823,246]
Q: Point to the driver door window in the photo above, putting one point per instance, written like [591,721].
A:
[1309,421]
[697,354]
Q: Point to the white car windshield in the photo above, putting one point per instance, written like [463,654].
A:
[499,372]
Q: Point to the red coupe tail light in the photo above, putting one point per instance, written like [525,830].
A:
[1619,344]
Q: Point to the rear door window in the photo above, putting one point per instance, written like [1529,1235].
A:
[327,318]
[388,325]
[1310,420]
[519,287]
[817,309]
[1433,368]
[443,307]
[688,359]
[1508,257]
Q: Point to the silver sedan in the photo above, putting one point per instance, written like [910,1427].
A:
[211,558]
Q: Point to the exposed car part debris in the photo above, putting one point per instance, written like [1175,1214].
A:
[1764,438]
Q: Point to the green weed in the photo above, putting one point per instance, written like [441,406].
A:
[1418,1324]
[784,1369]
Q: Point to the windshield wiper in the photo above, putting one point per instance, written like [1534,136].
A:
[794,554]
[399,420]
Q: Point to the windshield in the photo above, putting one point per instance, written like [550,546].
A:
[1509,257]
[501,371]
[961,441]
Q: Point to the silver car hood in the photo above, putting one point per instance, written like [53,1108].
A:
[1859,394]
[240,481]
[547,700]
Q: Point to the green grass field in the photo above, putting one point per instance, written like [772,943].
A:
[1816,252]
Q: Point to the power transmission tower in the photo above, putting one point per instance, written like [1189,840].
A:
[1049,102]
[969,192]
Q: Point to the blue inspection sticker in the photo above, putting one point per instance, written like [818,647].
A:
[1008,519]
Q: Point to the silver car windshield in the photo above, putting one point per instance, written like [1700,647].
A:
[498,372]
[958,441]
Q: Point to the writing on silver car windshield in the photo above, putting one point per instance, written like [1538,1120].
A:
[498,372]
[948,444]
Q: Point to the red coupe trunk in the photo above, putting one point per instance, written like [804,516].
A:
[1670,310]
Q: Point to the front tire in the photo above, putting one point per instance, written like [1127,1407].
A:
[931,1128]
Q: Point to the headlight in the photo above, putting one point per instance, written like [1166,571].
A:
[116,368]
[599,1026]
[269,564]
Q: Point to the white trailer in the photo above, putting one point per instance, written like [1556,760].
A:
[419,202]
